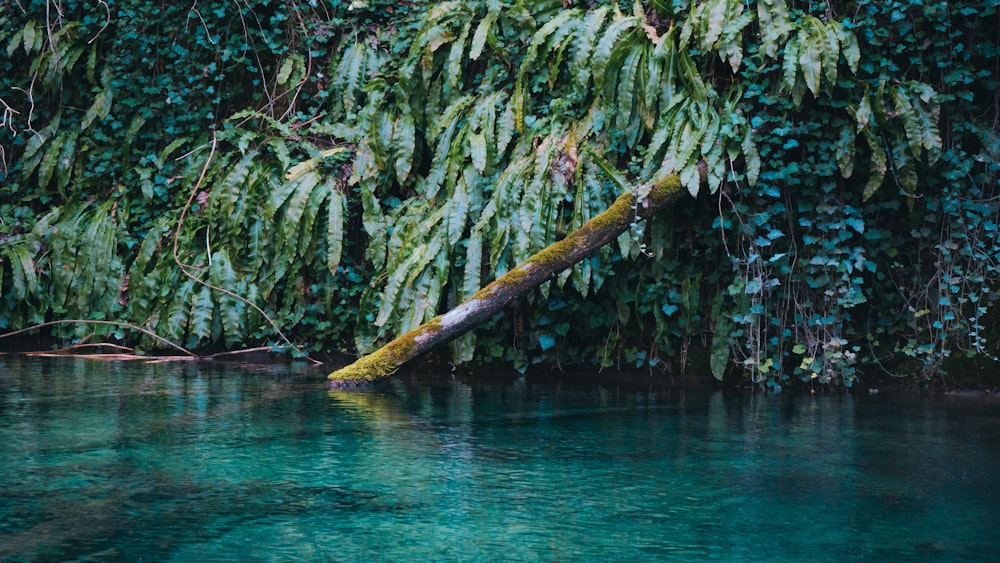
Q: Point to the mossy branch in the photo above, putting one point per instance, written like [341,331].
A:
[515,284]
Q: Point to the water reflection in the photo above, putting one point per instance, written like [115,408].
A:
[197,462]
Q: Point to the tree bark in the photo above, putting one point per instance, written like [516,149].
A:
[510,287]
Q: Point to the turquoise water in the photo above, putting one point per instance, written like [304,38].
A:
[184,462]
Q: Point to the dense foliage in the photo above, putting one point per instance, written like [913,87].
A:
[216,170]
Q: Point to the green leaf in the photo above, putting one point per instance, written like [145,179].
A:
[286,70]
[458,211]
[848,45]
[223,275]
[845,151]
[479,37]
[610,42]
[200,317]
[911,121]
[828,37]
[790,64]
[99,109]
[751,156]
[404,138]
[878,164]
[309,165]
[717,12]
[28,36]
[811,58]
[67,159]
[335,229]
[374,223]
[584,45]
[50,162]
[772,16]
[473,264]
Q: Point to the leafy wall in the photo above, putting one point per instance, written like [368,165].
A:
[326,174]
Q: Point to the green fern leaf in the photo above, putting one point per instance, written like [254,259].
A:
[751,157]
[306,166]
[471,279]
[308,240]
[456,56]
[811,57]
[477,150]
[99,109]
[230,309]
[772,16]
[584,45]
[404,140]
[179,311]
[479,37]
[350,74]
[628,93]
[878,164]
[505,131]
[844,152]
[292,215]
[848,45]
[335,228]
[830,51]
[911,121]
[67,158]
[610,42]
[458,211]
[200,317]
[50,163]
[15,42]
[790,64]
[716,12]
[223,199]
[374,223]
[927,110]
[24,278]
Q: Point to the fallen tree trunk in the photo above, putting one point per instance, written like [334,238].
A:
[510,287]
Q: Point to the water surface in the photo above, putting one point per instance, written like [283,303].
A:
[182,462]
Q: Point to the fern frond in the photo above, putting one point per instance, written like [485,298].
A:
[611,43]
[335,228]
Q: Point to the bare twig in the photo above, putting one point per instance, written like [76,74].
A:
[106,23]
[147,332]
[64,350]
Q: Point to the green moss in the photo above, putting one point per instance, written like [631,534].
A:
[386,360]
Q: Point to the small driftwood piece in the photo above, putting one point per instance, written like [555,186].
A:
[513,285]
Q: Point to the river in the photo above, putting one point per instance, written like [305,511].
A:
[180,461]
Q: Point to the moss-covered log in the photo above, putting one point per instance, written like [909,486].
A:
[510,287]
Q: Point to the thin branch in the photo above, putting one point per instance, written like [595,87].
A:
[147,332]
[91,345]
[106,23]
[238,352]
